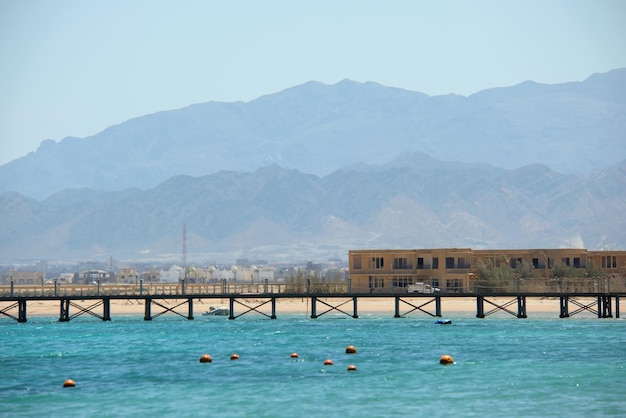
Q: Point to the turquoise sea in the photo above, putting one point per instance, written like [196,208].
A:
[504,366]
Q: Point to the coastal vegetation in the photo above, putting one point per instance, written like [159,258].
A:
[315,282]
[523,277]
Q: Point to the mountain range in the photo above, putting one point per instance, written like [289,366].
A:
[316,128]
[316,170]
[284,214]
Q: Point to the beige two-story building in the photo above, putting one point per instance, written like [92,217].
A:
[455,269]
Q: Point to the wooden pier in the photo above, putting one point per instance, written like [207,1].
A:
[97,302]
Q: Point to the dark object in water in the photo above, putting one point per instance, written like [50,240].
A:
[443,322]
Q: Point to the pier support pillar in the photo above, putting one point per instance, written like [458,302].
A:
[608,307]
[438,306]
[397,307]
[21,310]
[190,302]
[231,308]
[604,307]
[313,307]
[355,313]
[564,302]
[273,305]
[106,309]
[65,310]
[148,311]
[480,307]
[617,306]
[521,307]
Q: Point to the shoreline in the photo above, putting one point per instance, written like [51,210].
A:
[383,305]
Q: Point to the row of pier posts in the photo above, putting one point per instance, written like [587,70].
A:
[64,315]
[314,313]
[521,307]
[148,302]
[602,307]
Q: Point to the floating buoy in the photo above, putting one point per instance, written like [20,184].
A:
[69,383]
[328,362]
[205,358]
[294,355]
[352,368]
[234,356]
[350,349]
[446,359]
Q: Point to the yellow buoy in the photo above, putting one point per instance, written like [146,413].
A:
[446,359]
[352,368]
[234,356]
[350,349]
[205,358]
[69,383]
[294,355]
[328,362]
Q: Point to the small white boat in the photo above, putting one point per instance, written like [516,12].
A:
[213,311]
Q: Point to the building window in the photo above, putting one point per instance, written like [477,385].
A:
[376,282]
[401,281]
[576,262]
[453,285]
[535,263]
[565,261]
[356,262]
[435,263]
[449,262]
[401,264]
[420,263]
[609,262]
[377,263]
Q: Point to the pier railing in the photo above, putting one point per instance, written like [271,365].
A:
[527,287]
[559,285]
[162,289]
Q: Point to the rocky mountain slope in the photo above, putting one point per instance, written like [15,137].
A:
[278,213]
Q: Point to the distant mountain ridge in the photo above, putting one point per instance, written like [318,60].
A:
[284,214]
[315,128]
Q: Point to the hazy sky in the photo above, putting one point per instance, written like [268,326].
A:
[73,68]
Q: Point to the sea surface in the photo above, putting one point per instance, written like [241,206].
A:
[541,366]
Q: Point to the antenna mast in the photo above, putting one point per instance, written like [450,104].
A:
[184,250]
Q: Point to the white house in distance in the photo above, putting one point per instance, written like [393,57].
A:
[251,274]
[246,274]
[172,275]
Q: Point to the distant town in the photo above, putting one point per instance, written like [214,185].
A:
[113,272]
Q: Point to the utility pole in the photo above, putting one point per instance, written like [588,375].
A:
[184,260]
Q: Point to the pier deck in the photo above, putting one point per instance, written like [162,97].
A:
[97,302]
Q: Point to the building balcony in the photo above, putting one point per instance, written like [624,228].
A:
[458,270]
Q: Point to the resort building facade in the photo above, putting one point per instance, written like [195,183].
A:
[459,269]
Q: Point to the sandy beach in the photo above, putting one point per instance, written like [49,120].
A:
[301,306]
